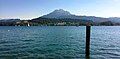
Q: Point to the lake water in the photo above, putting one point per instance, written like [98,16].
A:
[58,42]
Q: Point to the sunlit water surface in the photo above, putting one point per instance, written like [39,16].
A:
[58,42]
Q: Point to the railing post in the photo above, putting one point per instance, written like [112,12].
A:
[88,29]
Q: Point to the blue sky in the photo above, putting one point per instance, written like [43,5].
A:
[28,9]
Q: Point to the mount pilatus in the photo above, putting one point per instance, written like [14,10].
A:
[58,14]
[61,14]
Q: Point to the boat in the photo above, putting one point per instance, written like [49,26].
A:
[28,24]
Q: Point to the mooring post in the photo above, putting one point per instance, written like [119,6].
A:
[88,29]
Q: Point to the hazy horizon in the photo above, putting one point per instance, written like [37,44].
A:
[29,9]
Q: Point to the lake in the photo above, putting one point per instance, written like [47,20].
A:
[58,42]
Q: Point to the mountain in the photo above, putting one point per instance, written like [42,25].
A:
[9,20]
[61,14]
[114,19]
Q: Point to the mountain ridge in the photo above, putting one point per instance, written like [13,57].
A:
[61,14]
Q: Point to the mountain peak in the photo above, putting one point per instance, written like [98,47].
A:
[57,14]
[60,10]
